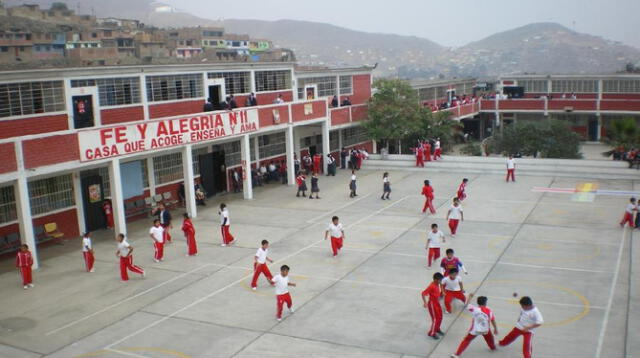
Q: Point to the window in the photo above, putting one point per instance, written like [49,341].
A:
[334,140]
[167,168]
[8,210]
[113,91]
[621,86]
[533,86]
[273,80]
[210,33]
[354,135]
[164,88]
[25,98]
[577,86]
[231,152]
[326,86]
[272,145]
[234,82]
[51,194]
[346,84]
[195,156]
[4,49]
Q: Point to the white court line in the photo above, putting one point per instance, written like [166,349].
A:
[548,303]
[316,218]
[128,354]
[612,291]
[198,301]
[119,303]
[375,212]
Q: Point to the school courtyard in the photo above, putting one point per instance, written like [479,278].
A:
[565,250]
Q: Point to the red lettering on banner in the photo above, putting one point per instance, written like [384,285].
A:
[121,134]
[205,122]
[104,135]
[101,152]
[193,124]
[233,118]
[243,117]
[173,130]
[218,121]
[142,129]
[136,146]
[184,126]
[248,127]
[162,129]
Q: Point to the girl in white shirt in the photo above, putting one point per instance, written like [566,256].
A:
[352,184]
[455,215]
[386,186]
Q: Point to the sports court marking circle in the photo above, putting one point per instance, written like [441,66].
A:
[493,245]
[165,352]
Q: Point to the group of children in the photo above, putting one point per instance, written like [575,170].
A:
[423,151]
[629,212]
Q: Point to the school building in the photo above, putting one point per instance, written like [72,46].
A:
[73,138]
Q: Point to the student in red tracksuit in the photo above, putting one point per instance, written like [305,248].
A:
[157,236]
[281,283]
[124,252]
[87,251]
[24,261]
[108,213]
[628,213]
[260,264]
[337,235]
[419,157]
[530,319]
[435,239]
[433,305]
[317,161]
[461,189]
[455,215]
[437,153]
[225,225]
[427,191]
[481,317]
[190,235]
[426,148]
[453,289]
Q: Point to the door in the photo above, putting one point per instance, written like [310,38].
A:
[220,171]
[207,173]
[313,150]
[215,93]
[593,129]
[310,92]
[82,111]
[92,196]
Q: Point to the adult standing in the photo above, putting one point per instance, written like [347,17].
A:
[343,158]
[225,225]
[190,235]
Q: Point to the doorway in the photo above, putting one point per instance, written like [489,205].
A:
[92,197]
[215,93]
[593,129]
[220,171]
[82,111]
[213,172]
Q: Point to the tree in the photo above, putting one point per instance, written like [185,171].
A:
[551,138]
[624,133]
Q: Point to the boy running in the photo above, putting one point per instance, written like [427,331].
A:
[461,189]
[124,252]
[453,288]
[433,305]
[225,225]
[427,191]
[481,317]
[530,319]
[260,264]
[435,239]
[281,282]
[628,213]
[337,235]
[455,215]
[24,261]
[450,262]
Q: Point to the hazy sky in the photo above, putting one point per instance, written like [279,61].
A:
[447,22]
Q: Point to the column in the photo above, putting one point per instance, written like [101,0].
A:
[151,177]
[245,155]
[187,175]
[374,147]
[326,146]
[77,193]
[117,199]
[296,144]
[24,218]
[291,175]
[599,134]
[256,150]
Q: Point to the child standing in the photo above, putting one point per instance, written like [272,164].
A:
[453,288]
[455,215]
[427,191]
[281,282]
[157,236]
[190,235]
[481,317]
[225,225]
[87,252]
[386,186]
[438,150]
[628,213]
[302,185]
[314,186]
[530,319]
[450,262]
[337,235]
[125,253]
[260,264]
[24,261]
[461,189]
[433,305]
[435,239]
[511,168]
[352,184]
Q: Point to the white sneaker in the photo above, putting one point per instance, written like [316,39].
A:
[144,274]
[223,245]
[25,286]
[454,356]
[279,319]
[253,288]
[291,309]
[156,261]
[32,285]
[92,270]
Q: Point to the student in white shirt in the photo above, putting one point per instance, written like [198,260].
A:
[628,213]
[260,264]
[124,252]
[437,151]
[225,224]
[157,236]
[453,288]
[435,239]
[337,235]
[530,319]
[481,317]
[511,168]
[281,283]
[87,252]
[455,215]
[386,186]
[352,184]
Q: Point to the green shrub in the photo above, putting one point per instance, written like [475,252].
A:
[473,149]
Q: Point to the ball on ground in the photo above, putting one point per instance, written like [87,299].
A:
[515,294]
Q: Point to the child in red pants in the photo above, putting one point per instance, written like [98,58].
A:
[87,252]
[433,305]
[628,213]
[124,252]
[260,264]
[455,215]
[481,317]
[281,282]
[225,225]
[435,239]
[453,288]
[427,191]
[24,261]
[530,319]
[337,235]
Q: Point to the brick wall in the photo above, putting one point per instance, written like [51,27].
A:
[67,222]
[319,111]
[266,115]
[361,89]
[121,115]
[8,154]
[359,113]
[175,108]
[35,125]
[340,116]
[268,98]
[50,150]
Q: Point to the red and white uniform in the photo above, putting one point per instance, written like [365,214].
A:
[427,191]
[481,318]
[190,235]
[450,263]
[24,261]
[157,234]
[461,191]
[260,267]
[452,289]
[225,223]
[433,305]
[336,237]
[511,169]
[126,261]
[282,293]
[455,214]
[434,242]
[437,150]
[526,319]
[628,215]
[87,253]
[419,156]
[108,213]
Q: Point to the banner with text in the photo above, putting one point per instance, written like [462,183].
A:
[158,134]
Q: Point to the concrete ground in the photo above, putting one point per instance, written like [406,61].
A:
[569,256]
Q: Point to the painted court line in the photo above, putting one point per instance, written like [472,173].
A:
[128,354]
[547,303]
[317,218]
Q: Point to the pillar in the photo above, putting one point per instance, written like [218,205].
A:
[117,199]
[24,218]
[326,146]
[245,155]
[256,149]
[374,147]
[187,175]
[599,134]
[151,177]
[291,175]
[77,193]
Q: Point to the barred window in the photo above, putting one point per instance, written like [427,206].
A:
[51,194]
[165,88]
[621,86]
[346,84]
[118,91]
[534,86]
[167,168]
[231,152]
[145,173]
[334,140]
[83,83]
[354,135]
[577,86]
[426,94]
[8,210]
[273,80]
[326,86]
[272,145]
[195,157]
[18,99]
[252,145]
[234,82]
